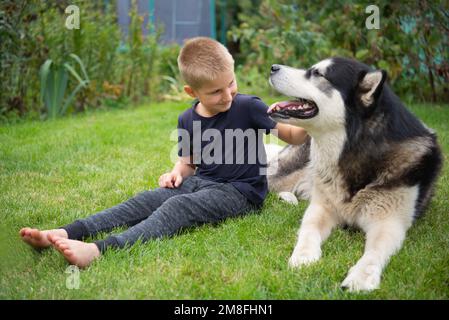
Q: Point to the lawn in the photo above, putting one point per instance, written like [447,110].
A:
[53,172]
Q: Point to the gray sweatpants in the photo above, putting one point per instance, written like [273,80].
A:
[163,212]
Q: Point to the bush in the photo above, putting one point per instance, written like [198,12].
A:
[121,69]
[20,59]
[411,43]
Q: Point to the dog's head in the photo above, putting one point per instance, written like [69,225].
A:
[326,93]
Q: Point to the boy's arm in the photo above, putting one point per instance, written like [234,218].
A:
[291,134]
[184,167]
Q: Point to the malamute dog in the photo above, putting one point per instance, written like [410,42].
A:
[369,162]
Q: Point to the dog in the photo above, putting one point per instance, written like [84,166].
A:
[369,163]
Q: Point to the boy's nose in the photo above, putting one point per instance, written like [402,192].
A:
[275,68]
[228,96]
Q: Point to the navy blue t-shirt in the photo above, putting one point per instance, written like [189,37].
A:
[228,147]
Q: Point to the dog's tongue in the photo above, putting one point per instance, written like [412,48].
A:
[283,104]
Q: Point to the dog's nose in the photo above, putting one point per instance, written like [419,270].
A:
[275,68]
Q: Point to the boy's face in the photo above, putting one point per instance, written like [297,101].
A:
[217,95]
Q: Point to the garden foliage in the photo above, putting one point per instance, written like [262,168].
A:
[411,44]
[121,69]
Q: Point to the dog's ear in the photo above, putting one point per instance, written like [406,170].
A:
[370,86]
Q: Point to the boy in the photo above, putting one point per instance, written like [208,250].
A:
[197,190]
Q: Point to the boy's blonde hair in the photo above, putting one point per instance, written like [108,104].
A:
[203,59]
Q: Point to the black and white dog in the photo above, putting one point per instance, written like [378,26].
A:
[369,162]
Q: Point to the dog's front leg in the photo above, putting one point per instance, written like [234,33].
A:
[316,226]
[383,239]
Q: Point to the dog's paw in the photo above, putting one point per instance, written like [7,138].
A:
[362,278]
[288,197]
[303,258]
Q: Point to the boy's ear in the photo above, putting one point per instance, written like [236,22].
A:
[189,91]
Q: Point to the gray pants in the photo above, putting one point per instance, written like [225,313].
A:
[163,212]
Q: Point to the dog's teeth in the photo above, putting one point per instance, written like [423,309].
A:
[309,107]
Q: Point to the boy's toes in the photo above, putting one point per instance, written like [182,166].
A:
[27,232]
[35,234]
[60,242]
[52,238]
[22,232]
[25,235]
[58,247]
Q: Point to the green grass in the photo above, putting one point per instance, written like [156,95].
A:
[56,171]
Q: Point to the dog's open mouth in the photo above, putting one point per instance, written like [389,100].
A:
[298,108]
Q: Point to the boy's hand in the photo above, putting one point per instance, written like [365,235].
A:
[170,180]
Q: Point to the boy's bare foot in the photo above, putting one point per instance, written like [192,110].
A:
[75,252]
[38,239]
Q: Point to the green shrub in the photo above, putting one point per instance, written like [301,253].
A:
[20,59]
[121,69]
[54,85]
[411,43]
[96,43]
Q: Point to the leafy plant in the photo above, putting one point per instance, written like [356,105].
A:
[54,80]
[139,58]
[18,52]
[33,32]
[411,43]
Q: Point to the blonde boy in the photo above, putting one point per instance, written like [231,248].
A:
[218,173]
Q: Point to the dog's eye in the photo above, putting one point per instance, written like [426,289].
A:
[317,73]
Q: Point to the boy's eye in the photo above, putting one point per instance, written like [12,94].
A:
[219,90]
